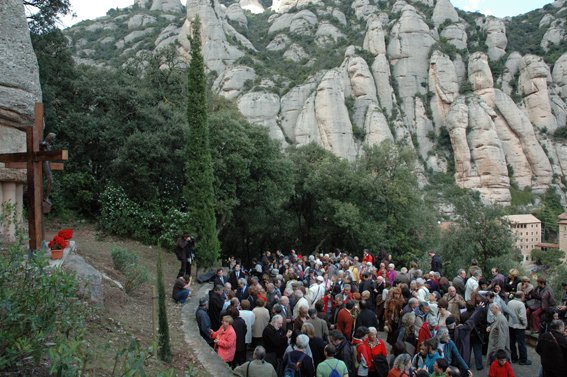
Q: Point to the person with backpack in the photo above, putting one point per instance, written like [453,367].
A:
[361,353]
[331,367]
[297,363]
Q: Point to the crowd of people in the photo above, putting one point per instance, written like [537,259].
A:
[320,315]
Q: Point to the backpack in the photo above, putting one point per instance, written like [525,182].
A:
[381,365]
[293,369]
[334,371]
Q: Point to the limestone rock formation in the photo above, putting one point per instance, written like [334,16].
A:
[171,6]
[345,74]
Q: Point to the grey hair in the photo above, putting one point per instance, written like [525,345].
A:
[301,341]
[496,305]
[276,318]
[298,293]
[419,281]
[402,361]
[442,332]
[556,325]
[413,300]
[373,330]
[460,271]
[242,281]
[260,353]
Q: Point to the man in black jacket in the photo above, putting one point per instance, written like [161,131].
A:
[185,254]
[436,264]
[216,303]
[552,347]
[275,340]
[344,350]
[239,326]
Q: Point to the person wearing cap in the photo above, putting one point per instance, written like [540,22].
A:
[203,320]
[320,326]
[316,291]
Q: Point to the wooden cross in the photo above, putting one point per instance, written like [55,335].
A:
[32,160]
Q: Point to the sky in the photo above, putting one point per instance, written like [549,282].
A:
[90,9]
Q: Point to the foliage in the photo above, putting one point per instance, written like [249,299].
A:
[136,275]
[478,233]
[560,133]
[548,214]
[198,190]
[68,358]
[44,14]
[164,347]
[547,258]
[131,361]
[122,258]
[38,306]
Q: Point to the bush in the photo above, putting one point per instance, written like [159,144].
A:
[136,275]
[38,307]
[123,259]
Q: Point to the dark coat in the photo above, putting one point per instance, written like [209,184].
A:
[240,329]
[275,341]
[204,323]
[552,347]
[220,280]
[307,369]
[317,346]
[216,302]
[436,264]
[344,353]
[366,318]
[233,279]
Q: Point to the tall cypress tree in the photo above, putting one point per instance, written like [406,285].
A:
[164,347]
[198,190]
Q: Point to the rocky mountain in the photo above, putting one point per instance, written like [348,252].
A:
[478,97]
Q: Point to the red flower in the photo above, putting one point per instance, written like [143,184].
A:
[66,234]
[58,242]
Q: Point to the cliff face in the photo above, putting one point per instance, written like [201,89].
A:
[347,73]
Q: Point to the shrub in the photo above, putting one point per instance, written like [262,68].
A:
[38,306]
[164,347]
[122,258]
[136,275]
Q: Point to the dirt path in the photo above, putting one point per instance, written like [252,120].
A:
[124,316]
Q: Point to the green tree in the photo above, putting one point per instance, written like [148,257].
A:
[44,14]
[198,190]
[479,233]
[164,347]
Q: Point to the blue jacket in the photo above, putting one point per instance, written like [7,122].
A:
[451,353]
[430,360]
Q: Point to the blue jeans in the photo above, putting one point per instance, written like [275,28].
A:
[182,295]
[518,336]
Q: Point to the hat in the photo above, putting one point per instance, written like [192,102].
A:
[449,321]
[203,301]
[320,278]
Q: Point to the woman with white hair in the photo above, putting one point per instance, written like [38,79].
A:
[401,367]
[449,350]
[298,360]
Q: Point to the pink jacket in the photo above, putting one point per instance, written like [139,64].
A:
[226,345]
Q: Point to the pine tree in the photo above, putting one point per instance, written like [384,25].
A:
[164,347]
[198,190]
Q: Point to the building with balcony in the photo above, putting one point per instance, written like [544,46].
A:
[527,230]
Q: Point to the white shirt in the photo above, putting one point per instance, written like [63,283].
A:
[249,318]
[423,294]
[471,286]
[316,292]
[301,302]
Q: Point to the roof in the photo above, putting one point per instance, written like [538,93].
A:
[522,219]
[548,245]
[563,216]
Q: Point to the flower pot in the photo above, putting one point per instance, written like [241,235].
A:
[57,253]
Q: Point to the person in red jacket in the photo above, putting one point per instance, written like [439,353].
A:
[501,367]
[376,346]
[428,330]
[362,351]
[366,256]
[345,320]
[225,339]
